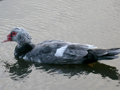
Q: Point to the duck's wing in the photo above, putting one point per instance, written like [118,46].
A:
[64,50]
[73,51]
[55,51]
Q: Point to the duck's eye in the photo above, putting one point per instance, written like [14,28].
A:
[14,33]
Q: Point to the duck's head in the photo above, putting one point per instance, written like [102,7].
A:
[18,35]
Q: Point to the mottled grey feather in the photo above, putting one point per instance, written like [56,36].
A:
[45,51]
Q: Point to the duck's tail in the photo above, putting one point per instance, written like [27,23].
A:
[107,54]
[101,54]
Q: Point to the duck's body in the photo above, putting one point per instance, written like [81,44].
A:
[56,51]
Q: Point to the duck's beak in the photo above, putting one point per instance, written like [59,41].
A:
[8,38]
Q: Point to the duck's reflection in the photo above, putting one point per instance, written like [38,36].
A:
[18,70]
[22,69]
[71,70]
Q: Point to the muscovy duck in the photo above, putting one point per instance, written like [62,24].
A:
[56,51]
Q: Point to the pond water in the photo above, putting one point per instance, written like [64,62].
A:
[95,22]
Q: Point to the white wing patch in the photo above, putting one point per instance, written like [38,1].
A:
[60,51]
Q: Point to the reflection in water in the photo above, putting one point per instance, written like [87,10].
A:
[71,70]
[22,69]
[18,70]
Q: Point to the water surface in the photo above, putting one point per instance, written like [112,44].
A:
[87,22]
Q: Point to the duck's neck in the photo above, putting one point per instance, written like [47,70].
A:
[21,50]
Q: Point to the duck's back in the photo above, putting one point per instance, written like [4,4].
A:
[57,52]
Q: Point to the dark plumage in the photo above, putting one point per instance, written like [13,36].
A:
[56,51]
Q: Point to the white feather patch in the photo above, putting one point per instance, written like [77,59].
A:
[91,46]
[60,51]
[25,57]
[38,60]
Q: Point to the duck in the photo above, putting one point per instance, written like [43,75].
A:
[57,51]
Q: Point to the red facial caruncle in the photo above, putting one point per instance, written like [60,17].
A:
[9,37]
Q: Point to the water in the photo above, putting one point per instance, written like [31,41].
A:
[93,22]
